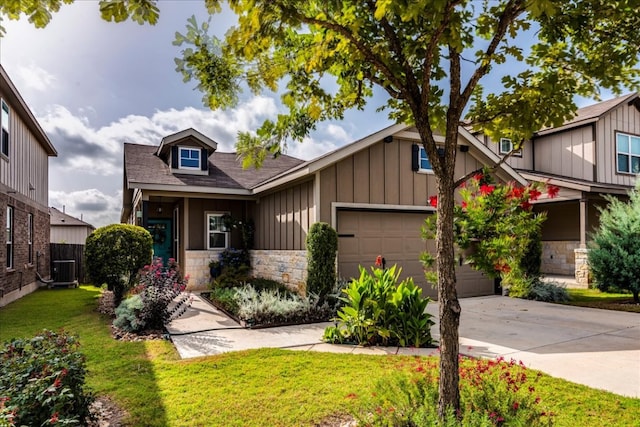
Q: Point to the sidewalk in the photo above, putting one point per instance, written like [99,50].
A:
[597,348]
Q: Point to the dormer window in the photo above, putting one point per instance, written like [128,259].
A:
[189,158]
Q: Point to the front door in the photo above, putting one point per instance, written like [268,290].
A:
[160,230]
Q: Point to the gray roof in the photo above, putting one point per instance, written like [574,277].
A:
[62,219]
[592,113]
[225,169]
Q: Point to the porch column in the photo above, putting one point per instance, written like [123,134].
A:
[581,264]
[584,220]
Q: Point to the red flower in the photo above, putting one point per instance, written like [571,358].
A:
[516,193]
[534,194]
[433,201]
[379,261]
[552,191]
[487,189]
[464,205]
[516,405]
[525,205]
[54,418]
[478,176]
[464,184]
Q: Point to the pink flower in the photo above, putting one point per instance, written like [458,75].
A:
[433,201]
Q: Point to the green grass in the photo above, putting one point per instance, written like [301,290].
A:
[594,298]
[252,388]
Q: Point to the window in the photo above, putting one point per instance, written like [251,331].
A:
[4,122]
[9,237]
[505,146]
[423,161]
[217,238]
[30,238]
[628,153]
[189,158]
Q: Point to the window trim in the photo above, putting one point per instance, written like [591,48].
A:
[421,150]
[209,231]
[190,149]
[628,154]
[9,236]
[5,127]
[30,234]
[516,153]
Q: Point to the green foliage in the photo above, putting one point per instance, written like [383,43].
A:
[115,253]
[270,305]
[234,266]
[496,229]
[127,314]
[536,289]
[42,381]
[493,393]
[322,245]
[157,298]
[379,310]
[614,257]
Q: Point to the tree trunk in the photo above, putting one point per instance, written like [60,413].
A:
[449,394]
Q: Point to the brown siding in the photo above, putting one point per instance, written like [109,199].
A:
[28,163]
[563,221]
[198,208]
[625,118]
[381,174]
[284,218]
[525,161]
[569,153]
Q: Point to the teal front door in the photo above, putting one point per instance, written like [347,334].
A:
[160,230]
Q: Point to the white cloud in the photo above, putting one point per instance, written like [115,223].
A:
[34,77]
[90,205]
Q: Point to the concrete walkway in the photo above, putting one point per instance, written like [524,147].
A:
[597,348]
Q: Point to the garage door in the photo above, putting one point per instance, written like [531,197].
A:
[365,234]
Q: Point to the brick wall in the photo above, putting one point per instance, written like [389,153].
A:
[21,279]
[558,257]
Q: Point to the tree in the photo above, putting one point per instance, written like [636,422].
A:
[430,57]
[114,254]
[614,258]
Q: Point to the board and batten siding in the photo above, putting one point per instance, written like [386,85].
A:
[381,174]
[523,161]
[568,153]
[28,163]
[625,118]
[283,218]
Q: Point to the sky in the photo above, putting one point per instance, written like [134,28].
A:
[94,85]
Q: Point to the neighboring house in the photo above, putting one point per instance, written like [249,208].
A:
[374,192]
[69,230]
[594,154]
[24,195]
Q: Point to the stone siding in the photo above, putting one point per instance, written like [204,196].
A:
[582,273]
[288,267]
[196,265]
[558,257]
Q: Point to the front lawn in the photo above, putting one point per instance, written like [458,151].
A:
[252,388]
[594,298]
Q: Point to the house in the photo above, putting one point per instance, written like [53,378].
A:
[374,192]
[66,229]
[594,154]
[24,195]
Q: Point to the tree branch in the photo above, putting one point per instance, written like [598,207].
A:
[511,12]
[492,169]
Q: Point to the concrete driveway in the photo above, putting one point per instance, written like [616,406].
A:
[597,348]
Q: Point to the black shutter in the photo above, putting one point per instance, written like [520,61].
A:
[204,159]
[174,157]
[415,157]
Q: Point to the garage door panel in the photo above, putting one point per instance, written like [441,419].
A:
[395,236]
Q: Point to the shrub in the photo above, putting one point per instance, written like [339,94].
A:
[235,266]
[614,258]
[322,245]
[492,393]
[379,310]
[547,291]
[114,254]
[532,259]
[42,381]
[157,298]
[127,314]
